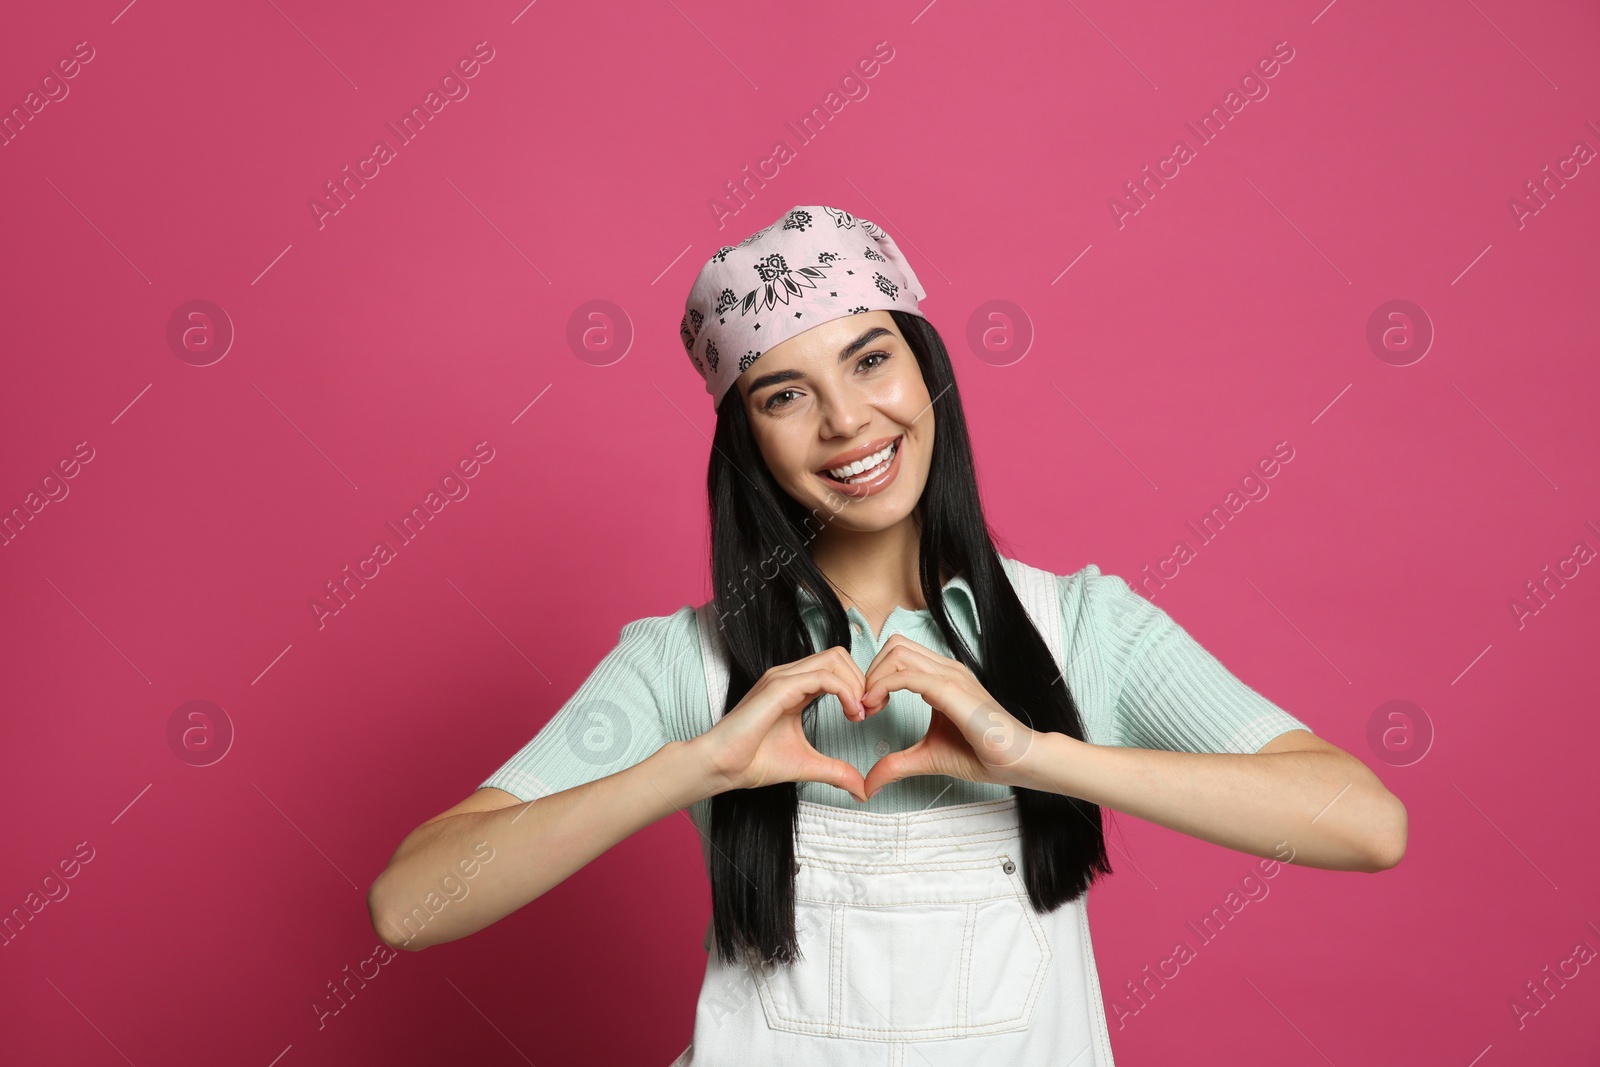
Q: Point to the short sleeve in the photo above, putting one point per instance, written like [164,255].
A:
[1166,691]
[615,719]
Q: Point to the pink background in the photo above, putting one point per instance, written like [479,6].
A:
[376,349]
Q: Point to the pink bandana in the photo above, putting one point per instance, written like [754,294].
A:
[811,266]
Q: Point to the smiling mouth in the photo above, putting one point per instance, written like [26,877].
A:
[855,473]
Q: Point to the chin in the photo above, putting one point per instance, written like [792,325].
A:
[872,515]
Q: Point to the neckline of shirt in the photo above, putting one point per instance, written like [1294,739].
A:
[957,593]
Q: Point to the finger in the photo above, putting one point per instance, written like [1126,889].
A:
[887,659]
[837,660]
[876,695]
[936,689]
[908,647]
[995,737]
[789,693]
[895,766]
[942,750]
[907,651]
[850,664]
[837,773]
[894,642]
[845,669]
[857,678]
[829,676]
[901,641]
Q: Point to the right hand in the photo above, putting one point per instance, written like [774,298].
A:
[761,740]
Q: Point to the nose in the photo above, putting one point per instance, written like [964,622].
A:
[845,409]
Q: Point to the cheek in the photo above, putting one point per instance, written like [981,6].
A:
[907,389]
[786,456]
[908,404]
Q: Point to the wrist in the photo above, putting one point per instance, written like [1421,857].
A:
[1046,764]
[705,775]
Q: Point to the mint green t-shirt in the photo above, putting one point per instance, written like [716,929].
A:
[1138,678]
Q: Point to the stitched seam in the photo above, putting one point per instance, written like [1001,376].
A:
[918,846]
[899,903]
[977,863]
[827,842]
[874,1032]
[1097,1009]
[898,832]
[836,969]
[1045,955]
[964,981]
[1007,821]
[836,1027]
[939,812]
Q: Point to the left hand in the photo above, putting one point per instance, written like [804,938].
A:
[970,736]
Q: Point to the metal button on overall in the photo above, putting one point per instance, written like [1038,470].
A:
[1008,867]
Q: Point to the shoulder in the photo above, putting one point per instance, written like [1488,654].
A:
[1087,586]
[665,652]
[662,635]
[1108,594]
[1096,605]
[663,627]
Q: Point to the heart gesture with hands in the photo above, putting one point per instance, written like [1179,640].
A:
[761,742]
[970,736]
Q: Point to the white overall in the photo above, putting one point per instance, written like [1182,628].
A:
[919,945]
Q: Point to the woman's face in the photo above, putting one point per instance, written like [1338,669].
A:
[844,392]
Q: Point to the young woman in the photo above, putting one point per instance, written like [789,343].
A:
[895,741]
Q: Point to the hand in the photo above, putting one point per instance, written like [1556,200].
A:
[761,740]
[970,736]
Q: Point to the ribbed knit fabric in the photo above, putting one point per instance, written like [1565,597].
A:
[1138,679]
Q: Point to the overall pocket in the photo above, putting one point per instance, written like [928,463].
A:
[911,951]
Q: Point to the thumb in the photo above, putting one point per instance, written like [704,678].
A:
[893,767]
[843,776]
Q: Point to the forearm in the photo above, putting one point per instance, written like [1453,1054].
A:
[532,848]
[1330,809]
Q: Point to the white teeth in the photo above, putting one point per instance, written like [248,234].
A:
[863,466]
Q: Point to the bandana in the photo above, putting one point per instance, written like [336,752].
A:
[812,265]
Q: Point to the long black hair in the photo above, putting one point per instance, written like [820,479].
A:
[760,561]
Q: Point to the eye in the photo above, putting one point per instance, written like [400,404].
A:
[772,401]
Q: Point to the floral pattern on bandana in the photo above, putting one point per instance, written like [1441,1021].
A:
[780,283]
[785,278]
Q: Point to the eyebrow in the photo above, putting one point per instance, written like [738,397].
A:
[779,377]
